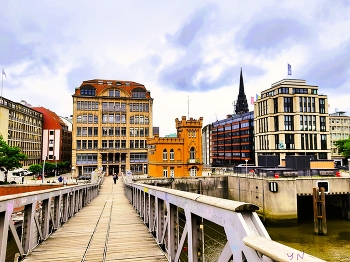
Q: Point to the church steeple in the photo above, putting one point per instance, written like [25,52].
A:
[241,104]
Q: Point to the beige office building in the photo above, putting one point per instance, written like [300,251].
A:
[340,129]
[291,118]
[21,126]
[111,122]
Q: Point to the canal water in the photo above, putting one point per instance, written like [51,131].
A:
[334,246]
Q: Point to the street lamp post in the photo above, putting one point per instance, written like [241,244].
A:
[43,173]
[54,157]
[246,167]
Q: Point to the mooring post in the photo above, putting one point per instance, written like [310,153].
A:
[320,225]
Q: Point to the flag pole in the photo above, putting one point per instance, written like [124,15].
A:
[2,82]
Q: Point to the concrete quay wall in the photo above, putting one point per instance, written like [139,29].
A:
[279,206]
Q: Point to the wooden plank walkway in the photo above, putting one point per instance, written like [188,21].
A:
[107,229]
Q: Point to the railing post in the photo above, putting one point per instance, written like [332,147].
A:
[4,229]
[193,223]
[173,228]
[151,213]
[65,207]
[160,219]
[146,208]
[45,217]
[57,211]
[28,224]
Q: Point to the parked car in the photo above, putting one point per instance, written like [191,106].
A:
[26,172]
[84,177]
[344,168]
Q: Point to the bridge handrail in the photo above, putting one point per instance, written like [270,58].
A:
[44,211]
[268,248]
[247,238]
[214,201]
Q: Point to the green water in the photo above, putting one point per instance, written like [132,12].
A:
[334,246]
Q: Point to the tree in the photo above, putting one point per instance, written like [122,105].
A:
[10,157]
[50,168]
[343,146]
[35,169]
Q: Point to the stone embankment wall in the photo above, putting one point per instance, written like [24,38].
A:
[18,189]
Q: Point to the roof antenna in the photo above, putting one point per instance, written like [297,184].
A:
[188,106]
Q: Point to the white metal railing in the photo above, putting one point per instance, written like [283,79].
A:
[176,219]
[37,214]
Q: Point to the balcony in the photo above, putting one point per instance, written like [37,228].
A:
[193,161]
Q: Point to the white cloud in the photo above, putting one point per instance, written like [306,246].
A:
[177,49]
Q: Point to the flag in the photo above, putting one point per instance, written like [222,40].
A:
[289,70]
[3,72]
[252,100]
[256,97]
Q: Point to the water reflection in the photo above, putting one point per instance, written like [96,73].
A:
[335,246]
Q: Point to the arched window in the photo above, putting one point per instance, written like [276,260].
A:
[192,153]
[193,171]
[172,155]
[165,154]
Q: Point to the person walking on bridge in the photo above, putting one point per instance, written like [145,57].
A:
[115,178]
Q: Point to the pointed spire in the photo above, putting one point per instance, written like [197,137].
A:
[242,104]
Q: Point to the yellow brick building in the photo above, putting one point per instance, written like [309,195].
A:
[112,120]
[177,156]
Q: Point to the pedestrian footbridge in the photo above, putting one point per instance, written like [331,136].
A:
[133,222]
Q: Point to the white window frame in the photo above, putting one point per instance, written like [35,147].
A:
[165,172]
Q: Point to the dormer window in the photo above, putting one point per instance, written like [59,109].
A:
[138,93]
[87,90]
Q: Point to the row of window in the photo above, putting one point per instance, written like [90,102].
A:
[307,123]
[172,154]
[110,144]
[112,106]
[113,131]
[235,155]
[112,118]
[231,148]
[306,104]
[340,121]
[308,142]
[241,140]
[286,90]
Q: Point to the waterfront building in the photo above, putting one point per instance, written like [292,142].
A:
[291,118]
[56,138]
[21,126]
[177,156]
[339,124]
[112,120]
[232,138]
[206,153]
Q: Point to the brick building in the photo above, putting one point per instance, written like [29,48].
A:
[177,156]
[57,139]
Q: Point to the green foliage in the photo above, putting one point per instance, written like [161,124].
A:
[10,157]
[343,146]
[49,166]
[35,168]
[63,165]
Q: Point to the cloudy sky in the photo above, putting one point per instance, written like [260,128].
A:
[180,50]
